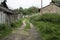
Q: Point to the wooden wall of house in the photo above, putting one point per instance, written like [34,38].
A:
[20,16]
[11,18]
[2,17]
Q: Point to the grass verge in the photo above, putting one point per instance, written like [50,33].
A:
[5,30]
[48,26]
[27,27]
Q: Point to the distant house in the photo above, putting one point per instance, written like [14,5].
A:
[51,8]
[7,15]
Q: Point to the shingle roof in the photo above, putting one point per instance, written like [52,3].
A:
[7,10]
[4,7]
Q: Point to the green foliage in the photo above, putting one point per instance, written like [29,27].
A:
[54,18]
[48,26]
[27,11]
[20,10]
[16,24]
[35,18]
[48,30]
[27,27]
[33,10]
[6,30]
[30,10]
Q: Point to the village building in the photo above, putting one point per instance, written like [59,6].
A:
[7,15]
[51,8]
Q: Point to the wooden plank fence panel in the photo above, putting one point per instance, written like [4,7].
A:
[2,17]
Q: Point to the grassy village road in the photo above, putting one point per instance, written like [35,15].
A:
[22,34]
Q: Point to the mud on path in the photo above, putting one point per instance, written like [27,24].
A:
[20,34]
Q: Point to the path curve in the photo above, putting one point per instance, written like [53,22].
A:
[20,34]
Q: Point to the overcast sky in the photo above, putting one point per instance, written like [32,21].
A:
[13,4]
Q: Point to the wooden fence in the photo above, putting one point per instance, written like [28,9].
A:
[6,18]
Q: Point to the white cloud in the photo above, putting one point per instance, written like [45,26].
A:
[26,3]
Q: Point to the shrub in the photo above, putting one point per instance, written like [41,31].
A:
[48,26]
[54,18]
[35,18]
[50,18]
[47,30]
[16,24]
[4,30]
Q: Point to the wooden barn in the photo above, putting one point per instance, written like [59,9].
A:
[7,15]
[51,8]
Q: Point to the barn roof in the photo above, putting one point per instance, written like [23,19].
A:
[7,10]
[4,7]
[51,4]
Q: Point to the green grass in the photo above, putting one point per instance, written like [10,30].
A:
[48,30]
[5,30]
[48,26]
[16,24]
[27,27]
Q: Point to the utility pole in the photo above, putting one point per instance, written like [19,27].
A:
[41,7]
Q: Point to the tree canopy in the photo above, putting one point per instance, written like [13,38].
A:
[27,11]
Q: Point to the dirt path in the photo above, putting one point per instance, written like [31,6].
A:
[33,33]
[20,34]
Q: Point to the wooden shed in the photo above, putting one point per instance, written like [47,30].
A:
[7,15]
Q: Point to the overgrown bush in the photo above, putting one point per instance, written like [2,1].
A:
[16,24]
[55,18]
[48,30]
[4,30]
[48,26]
